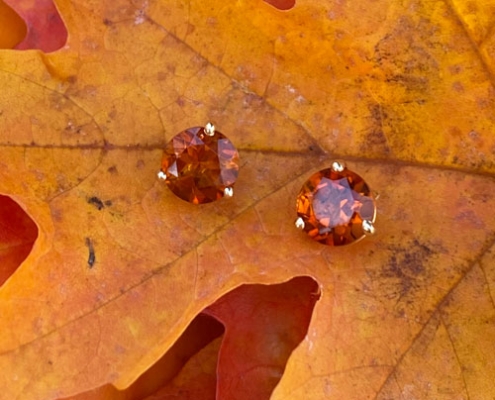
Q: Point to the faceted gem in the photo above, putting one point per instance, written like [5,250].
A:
[332,206]
[200,165]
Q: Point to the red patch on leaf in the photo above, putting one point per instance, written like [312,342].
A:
[18,233]
[45,29]
[282,4]
[263,325]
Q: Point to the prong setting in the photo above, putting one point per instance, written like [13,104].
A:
[338,166]
[162,175]
[368,227]
[210,129]
[299,223]
[228,192]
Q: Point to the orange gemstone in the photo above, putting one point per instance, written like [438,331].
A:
[200,167]
[333,206]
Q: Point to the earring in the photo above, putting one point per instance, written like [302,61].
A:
[200,165]
[336,207]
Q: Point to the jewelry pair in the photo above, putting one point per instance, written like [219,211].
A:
[335,206]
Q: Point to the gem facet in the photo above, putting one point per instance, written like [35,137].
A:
[200,165]
[336,207]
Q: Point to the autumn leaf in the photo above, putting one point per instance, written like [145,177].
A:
[122,273]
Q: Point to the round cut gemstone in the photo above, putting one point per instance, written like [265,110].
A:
[332,206]
[200,166]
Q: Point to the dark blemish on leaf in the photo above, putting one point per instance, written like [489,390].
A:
[107,22]
[96,202]
[72,79]
[405,268]
[108,203]
[140,164]
[50,362]
[375,138]
[92,256]
[113,170]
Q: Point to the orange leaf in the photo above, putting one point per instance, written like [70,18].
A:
[12,27]
[403,91]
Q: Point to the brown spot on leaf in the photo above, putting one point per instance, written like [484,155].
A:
[91,256]
[406,265]
[95,201]
[375,140]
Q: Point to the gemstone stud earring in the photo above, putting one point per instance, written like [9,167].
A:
[200,165]
[336,207]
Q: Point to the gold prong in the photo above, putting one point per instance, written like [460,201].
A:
[228,192]
[162,175]
[368,227]
[209,129]
[300,223]
[338,166]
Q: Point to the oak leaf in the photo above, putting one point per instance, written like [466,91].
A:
[120,268]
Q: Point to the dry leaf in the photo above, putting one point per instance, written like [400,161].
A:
[402,90]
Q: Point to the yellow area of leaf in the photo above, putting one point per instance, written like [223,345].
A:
[403,90]
[387,80]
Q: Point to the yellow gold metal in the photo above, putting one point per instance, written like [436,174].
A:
[338,166]
[300,223]
[368,227]
[228,192]
[162,175]
[209,129]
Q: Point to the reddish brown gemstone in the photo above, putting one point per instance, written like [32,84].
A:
[200,167]
[333,205]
